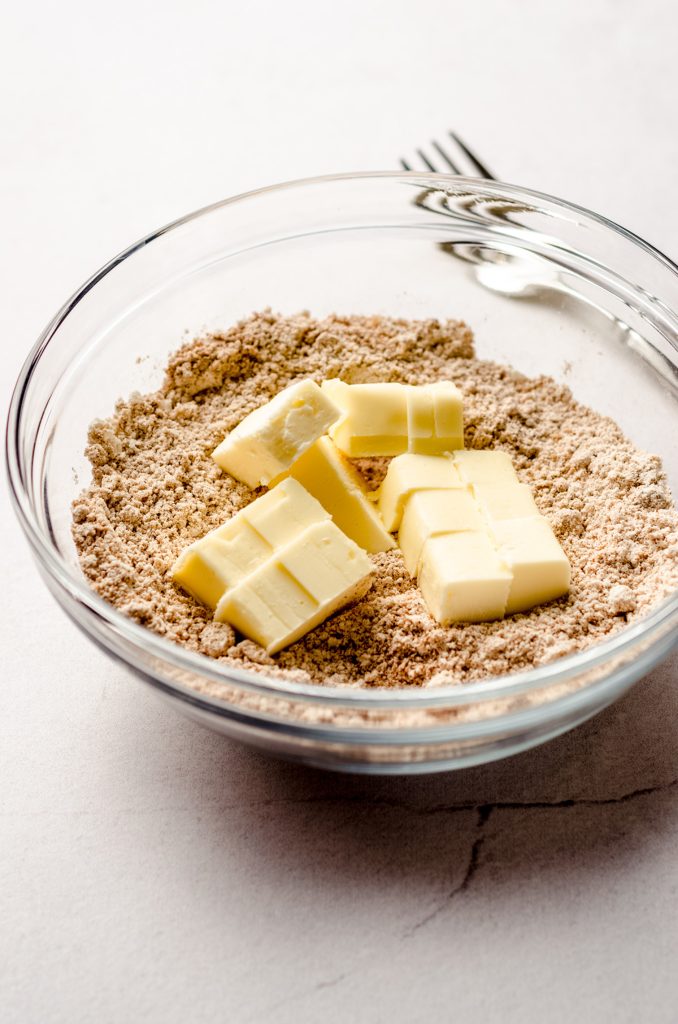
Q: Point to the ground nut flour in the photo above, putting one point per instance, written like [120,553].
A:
[155,489]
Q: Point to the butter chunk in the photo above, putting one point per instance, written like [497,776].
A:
[409,473]
[420,418]
[208,567]
[373,418]
[463,578]
[505,501]
[541,571]
[323,556]
[448,419]
[337,485]
[223,557]
[313,576]
[484,466]
[390,419]
[265,444]
[429,513]
[283,512]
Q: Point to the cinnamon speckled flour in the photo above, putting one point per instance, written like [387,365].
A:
[155,489]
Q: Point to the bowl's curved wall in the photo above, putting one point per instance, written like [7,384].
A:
[547,287]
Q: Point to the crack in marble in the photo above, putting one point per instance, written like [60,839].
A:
[318,986]
[624,798]
[484,813]
[329,984]
[484,808]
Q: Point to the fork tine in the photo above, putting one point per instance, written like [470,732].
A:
[482,169]
[425,160]
[448,160]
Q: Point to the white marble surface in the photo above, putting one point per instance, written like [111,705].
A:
[153,871]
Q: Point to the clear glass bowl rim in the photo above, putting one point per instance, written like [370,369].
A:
[661,619]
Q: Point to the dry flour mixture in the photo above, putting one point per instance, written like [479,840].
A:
[155,489]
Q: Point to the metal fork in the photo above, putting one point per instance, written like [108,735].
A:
[511,275]
[456,157]
[525,275]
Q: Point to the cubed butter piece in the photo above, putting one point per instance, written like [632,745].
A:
[283,512]
[329,477]
[505,501]
[429,513]
[373,418]
[540,569]
[223,557]
[420,417]
[266,443]
[485,466]
[206,568]
[409,473]
[298,588]
[389,419]
[447,432]
[463,578]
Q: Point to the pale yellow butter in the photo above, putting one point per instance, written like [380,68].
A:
[319,572]
[409,473]
[429,513]
[448,418]
[337,485]
[481,550]
[266,443]
[463,578]
[213,563]
[223,557]
[484,466]
[505,501]
[283,512]
[420,417]
[539,566]
[435,418]
[390,419]
[373,418]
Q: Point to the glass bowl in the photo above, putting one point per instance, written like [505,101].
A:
[547,286]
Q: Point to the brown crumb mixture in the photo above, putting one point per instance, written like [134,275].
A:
[155,489]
